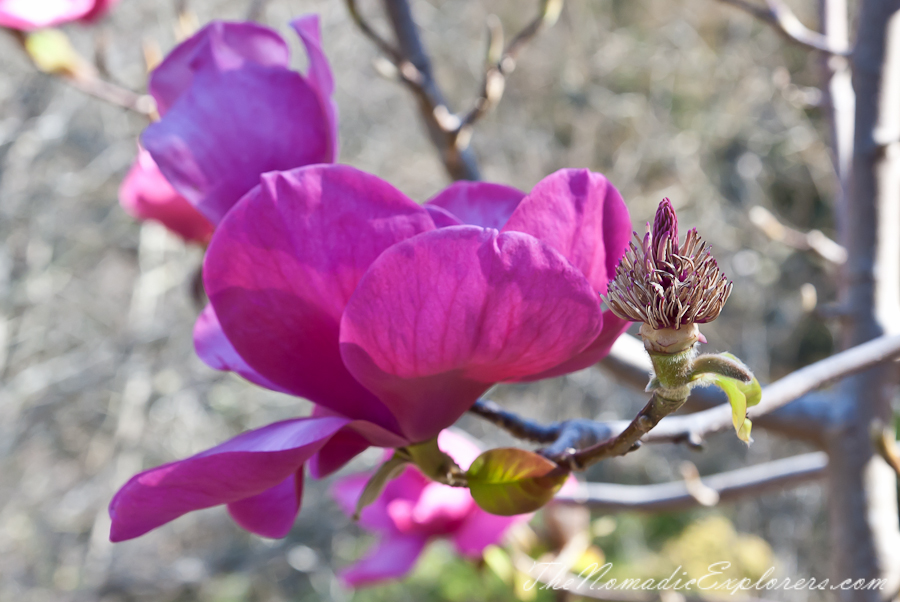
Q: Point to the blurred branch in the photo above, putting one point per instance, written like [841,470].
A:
[580,443]
[813,240]
[51,53]
[500,62]
[255,10]
[777,14]
[731,485]
[450,133]
[629,362]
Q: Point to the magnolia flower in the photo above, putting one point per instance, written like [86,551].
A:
[668,287]
[147,195]
[34,14]
[327,283]
[231,110]
[412,510]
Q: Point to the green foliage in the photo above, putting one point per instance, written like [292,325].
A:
[508,481]
[741,394]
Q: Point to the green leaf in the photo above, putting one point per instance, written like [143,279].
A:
[434,463]
[376,484]
[509,481]
[725,364]
[51,52]
[741,396]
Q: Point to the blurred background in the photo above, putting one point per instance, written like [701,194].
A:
[691,100]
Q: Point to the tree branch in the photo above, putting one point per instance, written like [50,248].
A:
[731,485]
[579,443]
[813,240]
[777,14]
[450,133]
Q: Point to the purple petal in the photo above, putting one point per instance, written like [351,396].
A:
[319,74]
[441,217]
[220,46]
[581,215]
[343,447]
[479,203]
[229,128]
[146,194]
[29,14]
[240,468]
[392,558]
[441,317]
[481,529]
[613,327]
[218,353]
[284,262]
[271,513]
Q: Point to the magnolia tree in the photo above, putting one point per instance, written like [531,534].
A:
[395,318]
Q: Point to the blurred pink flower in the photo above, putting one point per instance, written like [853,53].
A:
[34,14]
[147,195]
[328,283]
[412,510]
[231,110]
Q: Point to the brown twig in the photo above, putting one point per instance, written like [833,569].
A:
[450,133]
[728,486]
[582,443]
[814,240]
[777,14]
[501,62]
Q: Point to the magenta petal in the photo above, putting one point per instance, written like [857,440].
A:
[229,128]
[284,262]
[479,203]
[32,14]
[613,327]
[343,447]
[218,353]
[441,317]
[101,7]
[581,215]
[319,73]
[146,194]
[481,529]
[220,46]
[392,558]
[271,513]
[441,217]
[240,468]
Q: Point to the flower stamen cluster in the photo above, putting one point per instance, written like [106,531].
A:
[666,286]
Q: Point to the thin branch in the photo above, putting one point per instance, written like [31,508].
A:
[802,419]
[501,64]
[580,443]
[777,14]
[813,240]
[450,133]
[731,485]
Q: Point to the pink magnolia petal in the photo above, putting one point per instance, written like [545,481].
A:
[459,447]
[284,262]
[441,217]
[613,328]
[240,468]
[218,353]
[228,128]
[319,74]
[220,46]
[146,194]
[441,317]
[34,14]
[440,508]
[581,215]
[342,448]
[270,513]
[481,530]
[101,7]
[392,558]
[479,203]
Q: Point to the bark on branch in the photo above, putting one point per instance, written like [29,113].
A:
[777,14]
